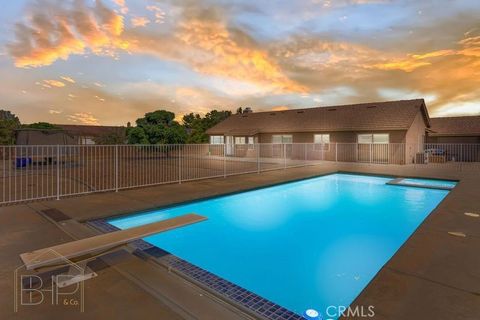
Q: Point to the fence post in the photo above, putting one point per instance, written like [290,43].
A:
[460,160]
[305,155]
[258,157]
[224,160]
[370,153]
[284,156]
[336,151]
[388,153]
[58,172]
[179,164]
[116,168]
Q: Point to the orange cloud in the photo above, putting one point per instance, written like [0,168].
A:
[122,5]
[214,52]
[205,45]
[469,47]
[54,83]
[68,79]
[54,111]
[159,13]
[83,117]
[54,33]
[139,21]
[407,65]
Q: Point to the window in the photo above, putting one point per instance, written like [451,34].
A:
[251,142]
[87,140]
[376,138]
[321,138]
[216,139]
[282,138]
[365,138]
[276,139]
[239,140]
[321,141]
[381,138]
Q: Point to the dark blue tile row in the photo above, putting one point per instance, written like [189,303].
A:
[224,288]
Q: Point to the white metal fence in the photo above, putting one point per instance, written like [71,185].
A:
[40,172]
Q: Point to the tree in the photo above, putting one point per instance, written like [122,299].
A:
[192,120]
[111,138]
[214,117]
[136,135]
[158,127]
[42,125]
[8,123]
[197,126]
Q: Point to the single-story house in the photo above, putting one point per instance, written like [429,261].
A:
[394,122]
[454,130]
[88,134]
[68,135]
[455,138]
[42,137]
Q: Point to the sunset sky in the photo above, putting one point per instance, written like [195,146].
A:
[108,62]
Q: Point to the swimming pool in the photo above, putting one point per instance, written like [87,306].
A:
[308,244]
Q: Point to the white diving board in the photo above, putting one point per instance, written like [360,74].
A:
[79,252]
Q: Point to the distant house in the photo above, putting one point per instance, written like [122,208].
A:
[86,134]
[455,130]
[68,135]
[402,122]
[44,137]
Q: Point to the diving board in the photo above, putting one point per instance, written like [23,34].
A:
[79,252]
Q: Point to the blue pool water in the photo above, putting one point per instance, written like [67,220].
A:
[430,182]
[307,244]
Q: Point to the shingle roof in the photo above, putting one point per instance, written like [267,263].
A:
[28,136]
[456,126]
[391,115]
[91,131]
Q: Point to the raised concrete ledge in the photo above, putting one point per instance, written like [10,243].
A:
[402,183]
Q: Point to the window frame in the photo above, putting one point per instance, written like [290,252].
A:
[241,138]
[282,138]
[213,139]
[251,142]
[372,138]
[325,146]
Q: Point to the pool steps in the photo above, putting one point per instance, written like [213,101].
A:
[400,182]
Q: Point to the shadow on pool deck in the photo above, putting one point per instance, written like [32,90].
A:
[433,276]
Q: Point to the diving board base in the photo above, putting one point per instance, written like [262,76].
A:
[76,273]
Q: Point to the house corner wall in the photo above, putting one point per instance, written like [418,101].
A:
[415,138]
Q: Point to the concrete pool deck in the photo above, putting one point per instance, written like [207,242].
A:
[434,275]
